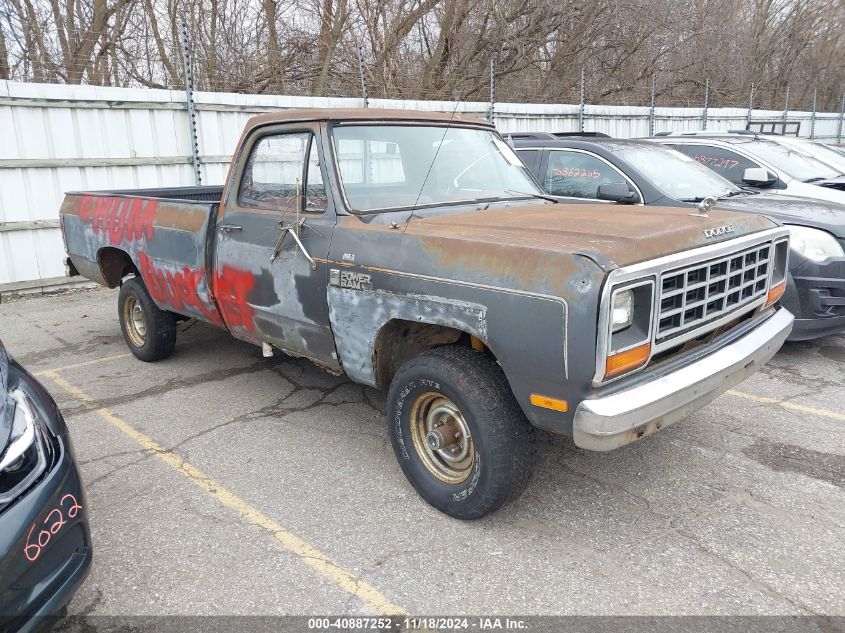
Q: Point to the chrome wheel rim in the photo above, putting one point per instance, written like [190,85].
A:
[136,322]
[442,438]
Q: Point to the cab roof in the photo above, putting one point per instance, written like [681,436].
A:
[362,114]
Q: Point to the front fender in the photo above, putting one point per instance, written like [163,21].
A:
[544,343]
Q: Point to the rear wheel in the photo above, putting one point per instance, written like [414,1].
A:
[458,432]
[149,331]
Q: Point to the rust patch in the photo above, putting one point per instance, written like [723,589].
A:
[644,430]
[175,216]
[362,114]
[400,340]
[119,218]
[481,256]
[613,233]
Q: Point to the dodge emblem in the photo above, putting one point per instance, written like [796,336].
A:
[719,230]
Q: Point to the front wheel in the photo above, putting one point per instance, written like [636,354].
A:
[149,331]
[458,432]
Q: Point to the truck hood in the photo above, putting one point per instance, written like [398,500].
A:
[819,214]
[611,235]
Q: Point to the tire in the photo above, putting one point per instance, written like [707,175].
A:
[149,332]
[503,444]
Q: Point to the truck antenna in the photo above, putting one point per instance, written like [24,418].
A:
[431,165]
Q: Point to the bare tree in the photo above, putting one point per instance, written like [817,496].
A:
[441,49]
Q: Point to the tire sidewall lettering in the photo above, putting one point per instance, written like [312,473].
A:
[397,419]
[409,391]
[464,494]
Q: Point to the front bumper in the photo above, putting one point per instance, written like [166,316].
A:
[815,294]
[38,582]
[606,423]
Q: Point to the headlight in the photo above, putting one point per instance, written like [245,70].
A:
[814,244]
[622,313]
[25,457]
[625,337]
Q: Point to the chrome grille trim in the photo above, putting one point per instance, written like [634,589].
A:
[656,269]
[692,296]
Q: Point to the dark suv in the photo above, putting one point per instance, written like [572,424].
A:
[615,171]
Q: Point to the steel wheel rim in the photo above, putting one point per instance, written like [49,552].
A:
[453,462]
[136,322]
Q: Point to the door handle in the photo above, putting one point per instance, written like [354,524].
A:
[228,228]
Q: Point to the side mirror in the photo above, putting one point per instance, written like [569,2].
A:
[618,192]
[758,177]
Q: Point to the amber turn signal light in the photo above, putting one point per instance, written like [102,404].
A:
[622,362]
[549,403]
[776,292]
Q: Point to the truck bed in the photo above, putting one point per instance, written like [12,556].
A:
[210,193]
[160,234]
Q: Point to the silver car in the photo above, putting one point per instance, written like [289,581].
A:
[762,162]
[819,151]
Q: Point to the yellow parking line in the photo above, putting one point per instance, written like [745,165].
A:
[311,556]
[94,361]
[792,406]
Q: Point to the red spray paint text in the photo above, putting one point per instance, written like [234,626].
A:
[177,290]
[130,219]
[119,218]
[233,288]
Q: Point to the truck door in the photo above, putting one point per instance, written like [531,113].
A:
[273,235]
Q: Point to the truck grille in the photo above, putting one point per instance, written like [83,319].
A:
[693,296]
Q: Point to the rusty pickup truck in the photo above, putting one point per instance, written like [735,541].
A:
[413,251]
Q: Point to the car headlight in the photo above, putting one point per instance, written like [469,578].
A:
[814,244]
[622,312]
[25,455]
[625,343]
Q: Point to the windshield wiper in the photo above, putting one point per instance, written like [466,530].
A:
[532,195]
[731,194]
[816,179]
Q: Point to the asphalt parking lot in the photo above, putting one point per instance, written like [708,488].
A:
[220,482]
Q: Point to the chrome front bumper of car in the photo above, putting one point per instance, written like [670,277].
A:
[608,422]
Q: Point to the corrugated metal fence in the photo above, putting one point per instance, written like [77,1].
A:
[58,138]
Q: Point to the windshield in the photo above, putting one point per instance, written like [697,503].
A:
[676,175]
[792,162]
[825,153]
[384,167]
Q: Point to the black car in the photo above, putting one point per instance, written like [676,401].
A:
[45,543]
[608,171]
